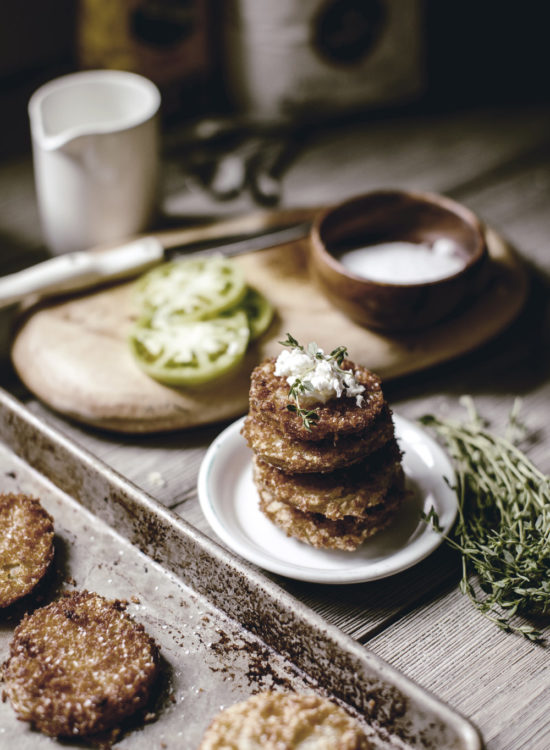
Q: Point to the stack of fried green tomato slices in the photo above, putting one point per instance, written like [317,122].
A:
[196,319]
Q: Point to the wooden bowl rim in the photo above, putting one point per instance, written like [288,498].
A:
[323,255]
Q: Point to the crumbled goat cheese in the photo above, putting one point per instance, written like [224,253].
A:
[324,379]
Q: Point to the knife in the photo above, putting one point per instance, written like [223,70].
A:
[84,270]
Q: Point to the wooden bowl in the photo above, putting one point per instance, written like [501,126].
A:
[388,216]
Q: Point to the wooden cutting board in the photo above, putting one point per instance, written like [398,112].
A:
[74,356]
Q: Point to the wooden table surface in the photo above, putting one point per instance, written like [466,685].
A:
[496,162]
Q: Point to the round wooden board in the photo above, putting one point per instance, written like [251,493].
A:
[74,356]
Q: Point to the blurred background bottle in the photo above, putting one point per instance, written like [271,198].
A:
[282,59]
[295,60]
[168,41]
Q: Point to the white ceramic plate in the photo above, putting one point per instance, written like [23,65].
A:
[229,501]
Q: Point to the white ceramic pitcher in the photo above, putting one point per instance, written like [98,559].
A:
[95,152]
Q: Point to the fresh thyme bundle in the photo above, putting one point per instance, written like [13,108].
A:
[503,525]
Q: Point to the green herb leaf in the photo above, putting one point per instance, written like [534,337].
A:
[308,417]
[339,354]
[291,342]
[432,518]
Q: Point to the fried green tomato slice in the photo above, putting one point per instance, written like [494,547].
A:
[26,546]
[293,721]
[191,289]
[190,353]
[338,417]
[79,666]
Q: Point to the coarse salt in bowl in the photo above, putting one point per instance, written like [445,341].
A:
[395,260]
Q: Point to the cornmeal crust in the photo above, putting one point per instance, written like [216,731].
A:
[26,546]
[289,721]
[320,456]
[79,666]
[339,416]
[318,531]
[346,492]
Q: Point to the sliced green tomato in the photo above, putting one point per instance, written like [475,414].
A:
[191,289]
[259,312]
[191,353]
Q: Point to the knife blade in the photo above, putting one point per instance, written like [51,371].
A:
[84,270]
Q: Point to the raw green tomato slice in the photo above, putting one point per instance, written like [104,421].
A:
[191,353]
[191,289]
[259,312]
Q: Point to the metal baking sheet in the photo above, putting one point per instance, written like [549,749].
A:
[224,630]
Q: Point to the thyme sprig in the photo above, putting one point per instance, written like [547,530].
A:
[302,386]
[503,526]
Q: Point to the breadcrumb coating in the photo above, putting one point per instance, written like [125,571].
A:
[26,546]
[339,416]
[284,721]
[320,456]
[79,666]
[314,529]
[333,481]
[350,491]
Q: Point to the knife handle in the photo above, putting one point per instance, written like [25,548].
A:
[80,270]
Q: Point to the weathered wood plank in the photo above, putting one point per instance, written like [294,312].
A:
[435,153]
[500,681]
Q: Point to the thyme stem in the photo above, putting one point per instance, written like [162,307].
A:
[503,527]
